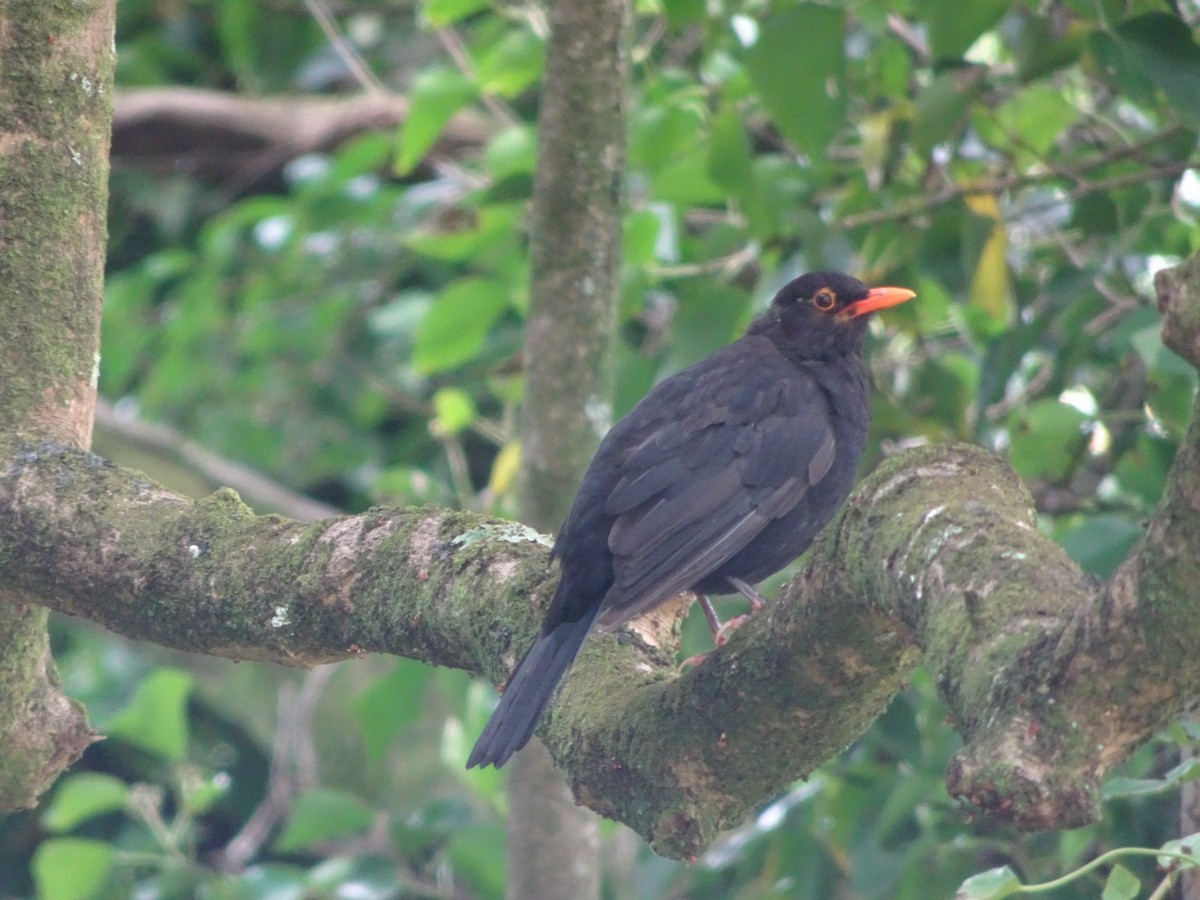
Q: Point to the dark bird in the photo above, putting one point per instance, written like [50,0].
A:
[721,476]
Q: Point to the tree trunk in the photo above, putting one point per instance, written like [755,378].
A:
[553,845]
[55,117]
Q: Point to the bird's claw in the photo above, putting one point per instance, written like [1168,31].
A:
[732,625]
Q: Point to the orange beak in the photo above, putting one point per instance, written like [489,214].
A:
[878,298]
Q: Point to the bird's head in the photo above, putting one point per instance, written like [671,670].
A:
[824,313]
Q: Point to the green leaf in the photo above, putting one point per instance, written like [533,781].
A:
[1155,354]
[364,155]
[667,129]
[436,95]
[323,814]
[943,104]
[156,717]
[1099,543]
[477,851]
[363,877]
[684,12]
[729,158]
[1039,43]
[640,241]
[954,26]
[71,868]
[453,410]
[1133,787]
[264,44]
[512,64]
[494,226]
[513,151]
[1095,214]
[440,13]
[275,881]
[83,796]
[1114,62]
[1046,438]
[990,885]
[985,246]
[1166,49]
[390,703]
[798,66]
[198,793]
[1030,121]
[1187,846]
[1142,470]
[686,183]
[457,324]
[1188,770]
[1121,885]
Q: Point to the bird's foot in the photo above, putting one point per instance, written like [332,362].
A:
[729,627]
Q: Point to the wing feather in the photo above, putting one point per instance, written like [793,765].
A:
[696,491]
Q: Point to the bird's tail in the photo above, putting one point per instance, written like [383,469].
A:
[529,690]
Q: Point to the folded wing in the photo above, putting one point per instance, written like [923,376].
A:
[697,489]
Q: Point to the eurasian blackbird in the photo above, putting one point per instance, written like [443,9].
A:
[721,476]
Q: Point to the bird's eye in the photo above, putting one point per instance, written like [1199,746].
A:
[824,299]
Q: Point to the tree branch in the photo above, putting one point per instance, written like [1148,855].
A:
[264,492]
[936,554]
[55,110]
[1076,174]
[243,141]
[1052,678]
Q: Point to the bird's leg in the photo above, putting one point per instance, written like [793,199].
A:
[748,591]
[720,632]
[714,625]
[756,603]
[710,614]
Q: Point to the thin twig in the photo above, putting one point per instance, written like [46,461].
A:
[492,432]
[460,475]
[1076,173]
[277,802]
[261,490]
[344,49]
[304,751]
[728,265]
[908,35]
[457,51]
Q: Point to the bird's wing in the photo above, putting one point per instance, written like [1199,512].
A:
[698,488]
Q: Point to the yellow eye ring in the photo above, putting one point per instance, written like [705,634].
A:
[824,299]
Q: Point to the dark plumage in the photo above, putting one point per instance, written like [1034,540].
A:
[724,471]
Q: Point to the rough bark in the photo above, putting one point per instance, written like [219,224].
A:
[553,845]
[55,109]
[935,557]
[1052,678]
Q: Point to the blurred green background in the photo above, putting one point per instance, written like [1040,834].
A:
[346,320]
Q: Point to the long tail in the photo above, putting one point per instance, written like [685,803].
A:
[529,690]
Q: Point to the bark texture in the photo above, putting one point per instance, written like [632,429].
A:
[553,846]
[934,559]
[55,111]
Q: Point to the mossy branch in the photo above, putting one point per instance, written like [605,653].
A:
[1053,677]
[677,756]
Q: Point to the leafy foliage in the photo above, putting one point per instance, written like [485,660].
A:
[357,335]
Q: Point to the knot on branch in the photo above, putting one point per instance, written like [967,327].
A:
[1013,782]
[1178,292]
